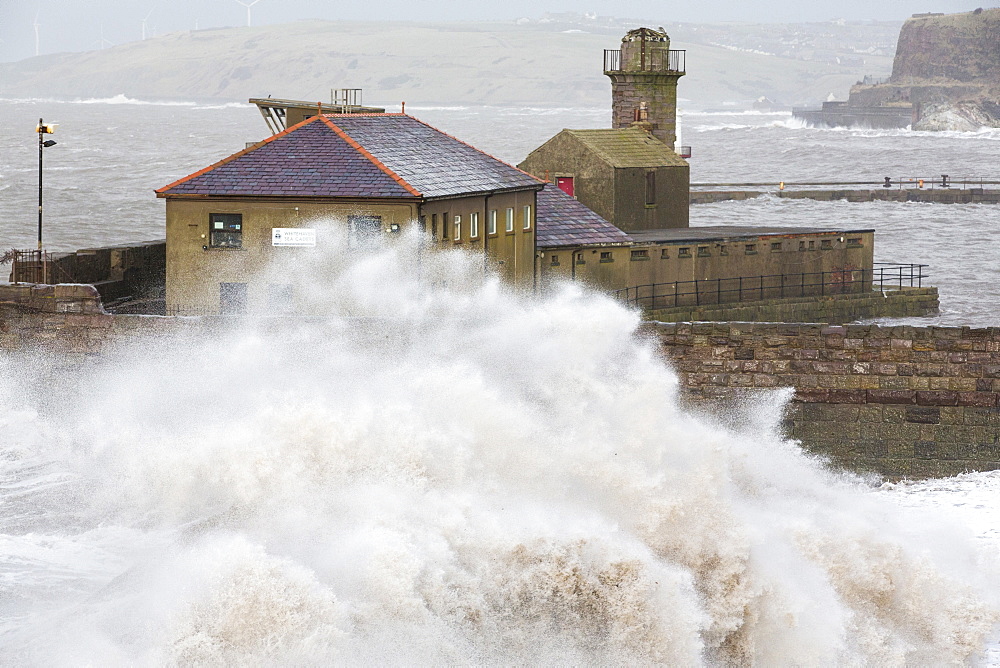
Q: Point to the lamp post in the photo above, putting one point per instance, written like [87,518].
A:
[42,130]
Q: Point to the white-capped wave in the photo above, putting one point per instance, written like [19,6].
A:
[434,469]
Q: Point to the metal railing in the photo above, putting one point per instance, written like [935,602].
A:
[773,286]
[37,266]
[901,182]
[653,60]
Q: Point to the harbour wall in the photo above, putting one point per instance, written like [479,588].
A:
[835,309]
[933,195]
[896,401]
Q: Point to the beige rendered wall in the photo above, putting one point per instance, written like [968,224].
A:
[615,268]
[195,270]
[511,254]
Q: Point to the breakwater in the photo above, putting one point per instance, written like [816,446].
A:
[932,195]
[837,309]
[897,401]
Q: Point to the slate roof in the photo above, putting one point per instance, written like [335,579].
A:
[561,220]
[436,164]
[358,156]
[628,147]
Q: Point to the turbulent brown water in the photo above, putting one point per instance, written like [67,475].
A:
[435,470]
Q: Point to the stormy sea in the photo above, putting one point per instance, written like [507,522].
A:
[439,470]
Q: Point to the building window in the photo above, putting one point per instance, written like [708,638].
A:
[363,231]
[802,245]
[606,256]
[640,254]
[750,249]
[444,227]
[434,226]
[723,250]
[554,260]
[684,252]
[458,228]
[225,230]
[232,298]
[854,243]
[474,225]
[423,223]
[510,219]
[579,259]
[280,298]
[527,217]
[776,247]
[650,188]
[491,226]
[664,255]
[812,245]
[703,251]
[826,244]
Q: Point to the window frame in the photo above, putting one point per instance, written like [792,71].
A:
[235,233]
[509,220]
[457,231]
[526,214]
[491,223]
[474,225]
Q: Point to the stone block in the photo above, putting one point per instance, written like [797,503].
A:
[962,384]
[939,384]
[845,396]
[893,383]
[923,414]
[937,397]
[891,396]
[809,395]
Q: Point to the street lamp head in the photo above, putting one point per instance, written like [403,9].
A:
[46,128]
[50,142]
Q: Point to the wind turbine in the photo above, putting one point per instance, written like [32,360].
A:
[104,43]
[248,5]
[144,24]
[37,25]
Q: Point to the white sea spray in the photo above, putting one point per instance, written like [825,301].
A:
[433,468]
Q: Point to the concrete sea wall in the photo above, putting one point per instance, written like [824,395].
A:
[836,309]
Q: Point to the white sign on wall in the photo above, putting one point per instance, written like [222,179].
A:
[292,236]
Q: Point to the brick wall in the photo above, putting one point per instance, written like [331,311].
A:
[899,401]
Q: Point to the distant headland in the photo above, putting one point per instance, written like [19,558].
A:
[945,76]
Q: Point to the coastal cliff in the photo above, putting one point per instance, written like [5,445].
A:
[947,67]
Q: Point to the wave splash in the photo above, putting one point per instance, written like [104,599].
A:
[440,470]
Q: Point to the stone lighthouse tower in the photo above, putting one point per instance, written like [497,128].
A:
[644,76]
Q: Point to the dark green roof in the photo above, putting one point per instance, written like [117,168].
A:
[628,147]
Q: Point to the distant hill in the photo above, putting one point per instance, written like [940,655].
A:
[466,63]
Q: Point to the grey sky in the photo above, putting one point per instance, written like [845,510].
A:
[76,25]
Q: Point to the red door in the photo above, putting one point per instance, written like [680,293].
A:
[565,184]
